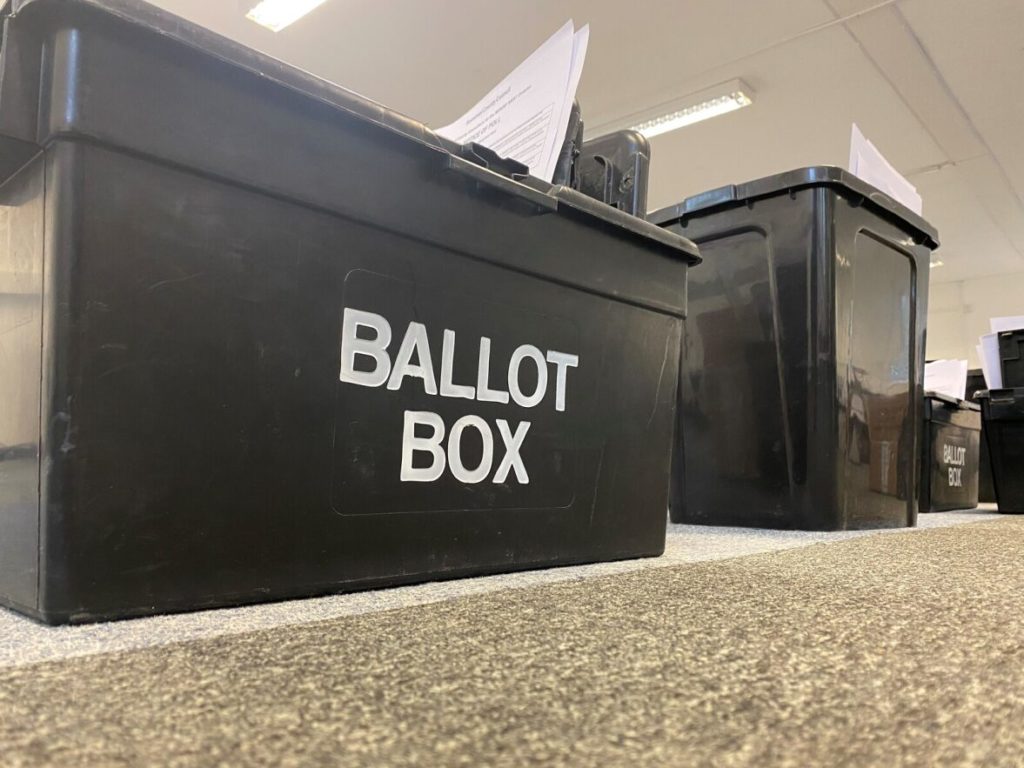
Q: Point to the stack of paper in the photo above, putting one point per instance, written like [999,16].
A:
[526,115]
[946,377]
[988,349]
[867,163]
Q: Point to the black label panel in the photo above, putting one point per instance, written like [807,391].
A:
[447,402]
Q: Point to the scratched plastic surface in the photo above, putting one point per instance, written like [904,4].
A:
[803,354]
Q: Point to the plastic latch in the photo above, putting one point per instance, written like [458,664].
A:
[1002,396]
[492,161]
[710,199]
[540,202]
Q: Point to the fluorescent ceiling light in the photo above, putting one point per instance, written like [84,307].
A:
[275,15]
[704,110]
[936,263]
[670,116]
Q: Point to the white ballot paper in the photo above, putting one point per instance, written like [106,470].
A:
[947,377]
[867,163]
[988,348]
[526,115]
[991,366]
[1000,324]
[984,367]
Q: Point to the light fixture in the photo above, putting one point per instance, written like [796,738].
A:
[936,263]
[670,116]
[275,15]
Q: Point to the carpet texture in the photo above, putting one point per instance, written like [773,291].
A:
[902,649]
[23,641]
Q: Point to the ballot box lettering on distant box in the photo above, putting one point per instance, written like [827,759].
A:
[950,455]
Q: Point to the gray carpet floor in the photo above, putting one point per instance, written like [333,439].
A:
[23,641]
[898,649]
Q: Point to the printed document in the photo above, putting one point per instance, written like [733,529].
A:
[526,115]
[946,377]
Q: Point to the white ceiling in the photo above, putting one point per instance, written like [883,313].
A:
[933,83]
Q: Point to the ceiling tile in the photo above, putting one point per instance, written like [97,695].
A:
[973,245]
[891,45]
[978,49]
[809,92]
[432,59]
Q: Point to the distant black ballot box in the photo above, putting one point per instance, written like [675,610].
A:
[263,338]
[950,454]
[986,490]
[1003,414]
[1011,357]
[803,355]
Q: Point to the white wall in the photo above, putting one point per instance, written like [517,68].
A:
[958,313]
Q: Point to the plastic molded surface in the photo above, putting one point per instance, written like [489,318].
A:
[615,169]
[986,490]
[950,454]
[1003,413]
[803,356]
[1011,358]
[293,343]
